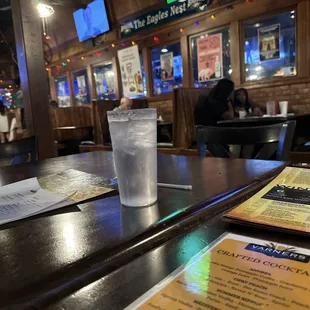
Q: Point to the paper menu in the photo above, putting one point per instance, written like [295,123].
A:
[26,198]
[283,204]
[236,272]
[80,186]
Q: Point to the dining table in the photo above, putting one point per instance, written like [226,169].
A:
[102,255]
[264,120]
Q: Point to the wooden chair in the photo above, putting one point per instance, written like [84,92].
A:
[253,142]
[19,150]
[184,102]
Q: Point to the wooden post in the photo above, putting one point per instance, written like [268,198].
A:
[187,74]
[117,78]
[33,76]
[148,71]
[92,83]
[71,88]
[52,86]
[302,43]
[235,51]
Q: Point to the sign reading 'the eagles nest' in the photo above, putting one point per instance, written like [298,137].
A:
[171,11]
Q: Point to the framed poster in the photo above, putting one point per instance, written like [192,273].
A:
[210,58]
[167,67]
[81,87]
[62,91]
[131,72]
[269,42]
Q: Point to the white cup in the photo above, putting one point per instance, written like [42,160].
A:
[242,114]
[283,107]
[270,107]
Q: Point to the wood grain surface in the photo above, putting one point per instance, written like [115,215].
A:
[48,257]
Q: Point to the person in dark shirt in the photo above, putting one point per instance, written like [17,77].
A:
[242,102]
[216,105]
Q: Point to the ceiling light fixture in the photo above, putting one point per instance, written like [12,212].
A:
[45,10]
[164,50]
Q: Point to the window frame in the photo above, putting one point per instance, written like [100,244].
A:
[70,89]
[150,48]
[190,37]
[242,42]
[89,81]
[114,69]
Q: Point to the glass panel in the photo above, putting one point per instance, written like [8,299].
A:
[62,91]
[143,80]
[270,47]
[211,57]
[167,68]
[105,86]
[81,87]
[6,97]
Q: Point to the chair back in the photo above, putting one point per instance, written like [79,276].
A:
[109,105]
[18,150]
[184,102]
[248,142]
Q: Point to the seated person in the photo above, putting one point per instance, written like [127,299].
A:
[242,102]
[126,104]
[216,105]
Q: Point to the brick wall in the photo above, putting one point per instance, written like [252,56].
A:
[164,108]
[298,96]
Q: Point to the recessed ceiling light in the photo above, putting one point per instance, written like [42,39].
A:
[164,50]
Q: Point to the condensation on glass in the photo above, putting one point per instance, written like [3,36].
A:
[105,81]
[81,87]
[270,47]
[167,68]
[210,53]
[62,91]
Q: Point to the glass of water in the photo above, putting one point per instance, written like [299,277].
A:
[134,142]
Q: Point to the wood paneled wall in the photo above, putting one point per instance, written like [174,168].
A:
[168,33]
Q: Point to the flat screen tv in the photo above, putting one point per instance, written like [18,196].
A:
[92,21]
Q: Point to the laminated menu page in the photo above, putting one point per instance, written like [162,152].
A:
[77,185]
[284,204]
[236,272]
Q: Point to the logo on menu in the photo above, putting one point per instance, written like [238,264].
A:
[278,251]
[289,194]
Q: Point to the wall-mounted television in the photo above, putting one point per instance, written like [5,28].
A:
[91,21]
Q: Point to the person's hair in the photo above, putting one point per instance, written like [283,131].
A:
[222,90]
[127,98]
[17,82]
[238,103]
[2,108]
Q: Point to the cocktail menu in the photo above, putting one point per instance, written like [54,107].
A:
[236,272]
[284,204]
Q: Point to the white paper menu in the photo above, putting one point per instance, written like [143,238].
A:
[26,198]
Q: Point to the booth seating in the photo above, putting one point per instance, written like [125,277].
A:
[184,130]
[101,126]
[71,126]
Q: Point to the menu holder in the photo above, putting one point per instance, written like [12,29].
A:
[282,205]
[236,272]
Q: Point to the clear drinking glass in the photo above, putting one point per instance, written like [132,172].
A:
[134,142]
